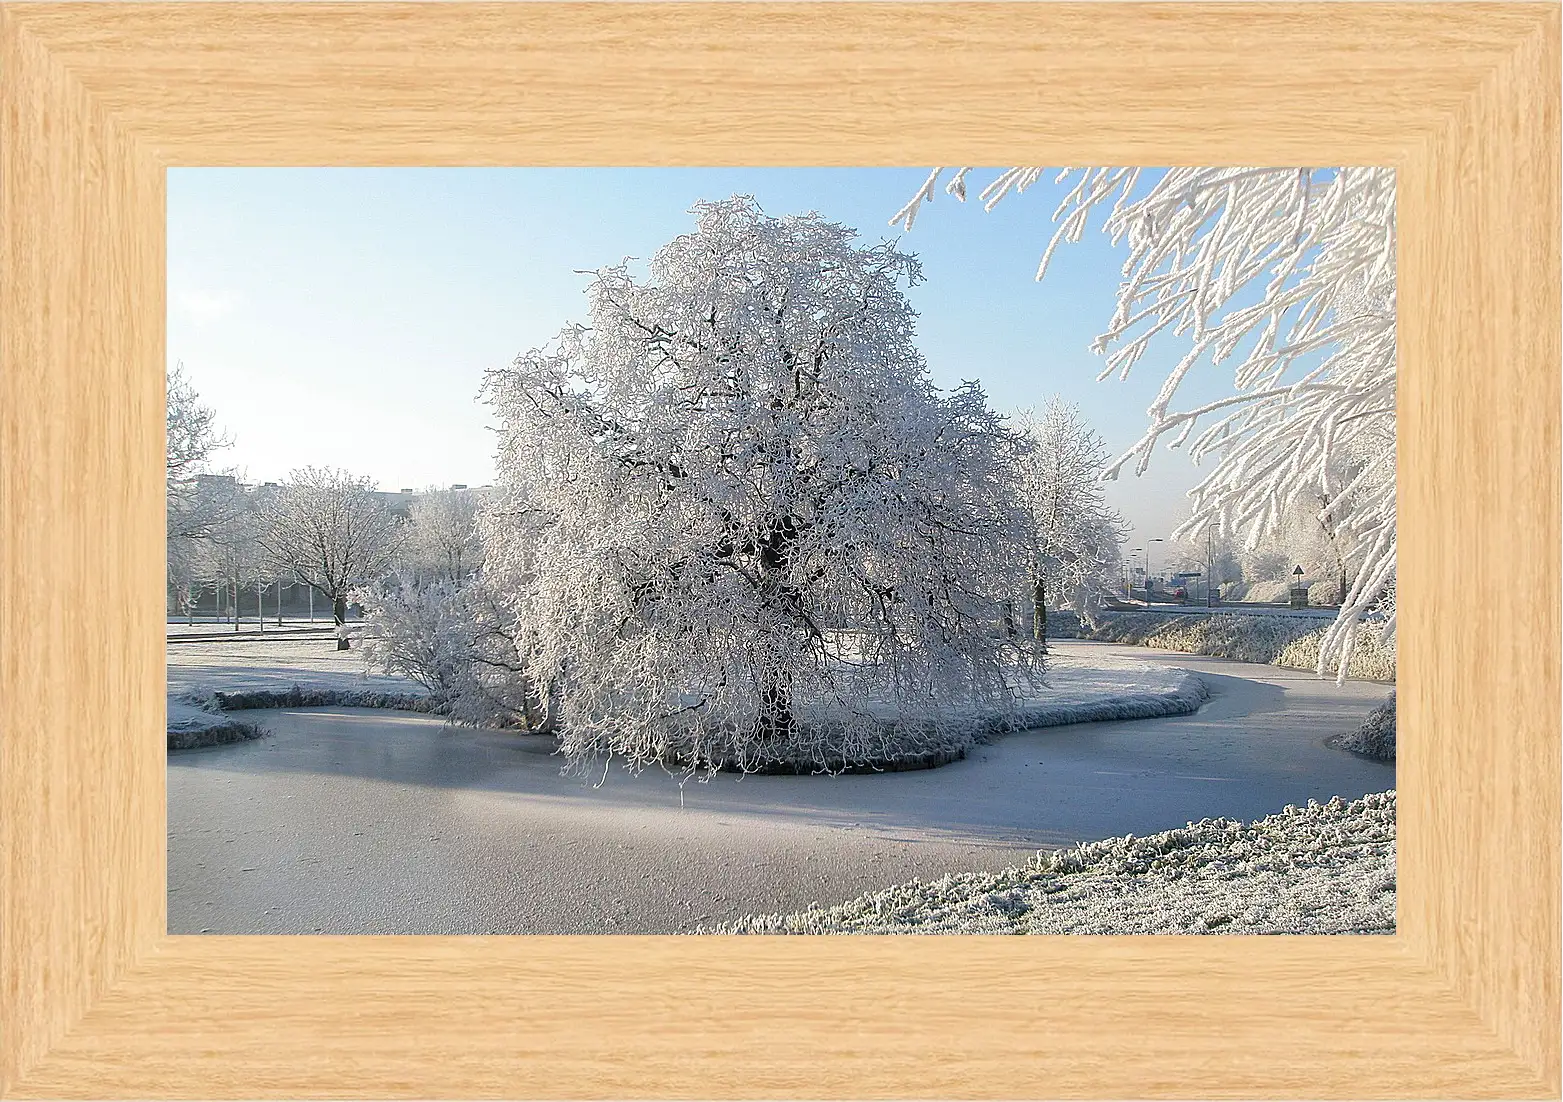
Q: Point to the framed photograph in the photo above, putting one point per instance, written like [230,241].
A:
[693,549]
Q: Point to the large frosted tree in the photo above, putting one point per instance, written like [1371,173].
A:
[752,526]
[1290,275]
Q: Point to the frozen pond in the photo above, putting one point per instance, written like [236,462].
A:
[351,821]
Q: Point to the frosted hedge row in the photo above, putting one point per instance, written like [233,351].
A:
[1272,640]
[202,718]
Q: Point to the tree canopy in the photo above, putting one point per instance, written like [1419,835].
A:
[741,515]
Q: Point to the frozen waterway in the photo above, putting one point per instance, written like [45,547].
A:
[351,821]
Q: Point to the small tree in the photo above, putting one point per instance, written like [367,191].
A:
[763,530]
[327,529]
[232,558]
[442,536]
[1076,536]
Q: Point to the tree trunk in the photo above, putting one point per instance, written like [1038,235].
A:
[776,719]
[339,614]
[1039,610]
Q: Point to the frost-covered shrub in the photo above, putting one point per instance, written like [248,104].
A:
[1065,624]
[1324,593]
[1243,638]
[299,696]
[1370,659]
[458,643]
[1376,737]
[1267,592]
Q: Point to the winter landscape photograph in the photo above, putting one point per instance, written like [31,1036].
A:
[781,551]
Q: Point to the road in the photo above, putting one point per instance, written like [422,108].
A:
[354,821]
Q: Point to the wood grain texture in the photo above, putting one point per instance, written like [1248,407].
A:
[97,99]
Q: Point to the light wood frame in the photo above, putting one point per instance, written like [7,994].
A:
[96,1000]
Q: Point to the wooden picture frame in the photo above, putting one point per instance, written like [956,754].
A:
[98,99]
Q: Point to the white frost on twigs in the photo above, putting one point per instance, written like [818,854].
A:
[741,519]
[1291,274]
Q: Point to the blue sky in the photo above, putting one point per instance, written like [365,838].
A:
[345,317]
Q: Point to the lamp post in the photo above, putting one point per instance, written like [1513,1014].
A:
[1155,539]
[1210,571]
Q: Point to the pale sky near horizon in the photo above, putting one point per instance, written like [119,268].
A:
[345,317]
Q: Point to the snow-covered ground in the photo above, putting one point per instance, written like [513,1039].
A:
[1320,869]
[354,821]
[209,625]
[276,664]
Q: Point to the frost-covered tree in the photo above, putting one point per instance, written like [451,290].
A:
[326,528]
[192,437]
[231,557]
[764,531]
[1076,536]
[1290,273]
[196,504]
[442,537]
[1219,559]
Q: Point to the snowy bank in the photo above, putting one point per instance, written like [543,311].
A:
[207,681]
[1291,642]
[1321,869]
[196,720]
[1074,691]
[193,724]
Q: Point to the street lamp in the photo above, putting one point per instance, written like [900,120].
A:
[1154,539]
